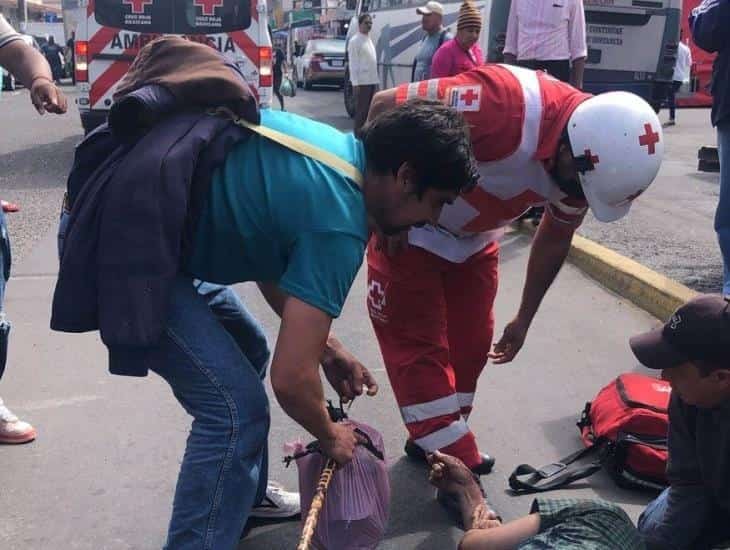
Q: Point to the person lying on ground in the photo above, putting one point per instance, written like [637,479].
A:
[589,524]
[693,351]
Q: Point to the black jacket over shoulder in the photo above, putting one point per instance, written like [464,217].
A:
[135,189]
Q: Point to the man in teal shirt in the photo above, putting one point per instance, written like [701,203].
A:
[295,218]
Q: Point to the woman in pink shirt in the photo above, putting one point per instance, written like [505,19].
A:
[462,53]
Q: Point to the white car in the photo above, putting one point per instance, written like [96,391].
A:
[323,62]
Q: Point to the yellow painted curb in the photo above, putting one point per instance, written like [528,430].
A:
[651,291]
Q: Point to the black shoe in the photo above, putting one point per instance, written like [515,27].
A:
[415,452]
[485,467]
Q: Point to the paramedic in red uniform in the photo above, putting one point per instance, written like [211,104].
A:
[538,142]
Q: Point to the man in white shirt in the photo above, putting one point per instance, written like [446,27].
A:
[363,64]
[548,35]
[681,75]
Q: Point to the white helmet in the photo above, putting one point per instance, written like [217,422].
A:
[618,145]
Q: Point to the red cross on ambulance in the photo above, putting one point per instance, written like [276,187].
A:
[208,6]
[138,6]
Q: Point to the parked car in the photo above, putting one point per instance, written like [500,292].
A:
[323,62]
[9,83]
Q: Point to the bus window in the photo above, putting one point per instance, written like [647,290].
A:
[178,17]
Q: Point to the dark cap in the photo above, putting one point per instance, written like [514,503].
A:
[698,331]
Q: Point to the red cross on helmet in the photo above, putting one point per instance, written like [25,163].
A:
[622,135]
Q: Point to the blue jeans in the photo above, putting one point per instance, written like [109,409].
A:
[684,518]
[722,215]
[250,338]
[5,261]
[216,358]
[223,469]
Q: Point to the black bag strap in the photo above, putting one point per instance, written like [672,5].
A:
[559,474]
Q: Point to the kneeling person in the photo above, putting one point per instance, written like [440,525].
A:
[693,351]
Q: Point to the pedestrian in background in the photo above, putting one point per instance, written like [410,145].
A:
[710,22]
[363,69]
[71,56]
[549,36]
[433,23]
[681,75]
[462,53]
[54,55]
[29,67]
[278,70]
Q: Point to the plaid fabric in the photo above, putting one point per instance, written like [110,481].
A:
[581,524]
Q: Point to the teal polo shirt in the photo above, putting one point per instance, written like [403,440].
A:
[275,215]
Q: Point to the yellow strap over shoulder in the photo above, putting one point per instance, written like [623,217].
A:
[305,148]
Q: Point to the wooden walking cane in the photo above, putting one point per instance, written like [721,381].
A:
[317,502]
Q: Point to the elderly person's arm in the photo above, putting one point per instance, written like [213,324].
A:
[31,69]
[484,529]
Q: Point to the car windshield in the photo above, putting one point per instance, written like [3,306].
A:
[328,46]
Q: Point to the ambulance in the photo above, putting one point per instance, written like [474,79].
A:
[110,33]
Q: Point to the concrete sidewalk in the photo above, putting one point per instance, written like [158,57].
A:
[101,474]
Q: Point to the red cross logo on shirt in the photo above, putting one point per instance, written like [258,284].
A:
[138,6]
[208,6]
[650,138]
[469,96]
[376,295]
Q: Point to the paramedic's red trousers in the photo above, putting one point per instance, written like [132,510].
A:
[434,322]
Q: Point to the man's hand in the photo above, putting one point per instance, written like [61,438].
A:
[341,443]
[47,97]
[392,245]
[511,342]
[345,373]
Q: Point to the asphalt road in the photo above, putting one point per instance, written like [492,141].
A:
[102,472]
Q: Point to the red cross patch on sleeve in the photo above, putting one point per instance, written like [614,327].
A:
[464,98]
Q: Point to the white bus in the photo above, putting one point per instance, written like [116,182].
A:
[632,44]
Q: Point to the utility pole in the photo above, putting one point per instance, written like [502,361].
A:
[22,15]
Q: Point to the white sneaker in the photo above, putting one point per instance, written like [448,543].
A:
[277,504]
[12,429]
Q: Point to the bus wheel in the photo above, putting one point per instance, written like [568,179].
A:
[349,95]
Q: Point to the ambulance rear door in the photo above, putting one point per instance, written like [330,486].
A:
[117,29]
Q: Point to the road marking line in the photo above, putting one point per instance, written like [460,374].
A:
[54,403]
